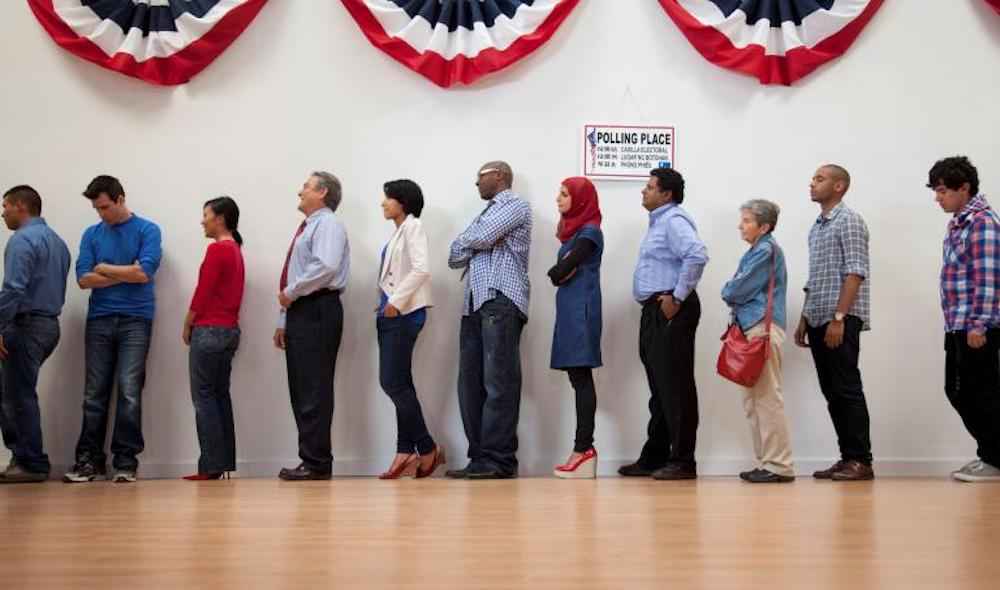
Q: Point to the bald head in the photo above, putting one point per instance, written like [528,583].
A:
[494,177]
[839,174]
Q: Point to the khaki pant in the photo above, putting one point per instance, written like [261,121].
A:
[765,409]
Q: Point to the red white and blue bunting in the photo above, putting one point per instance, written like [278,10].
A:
[160,41]
[778,42]
[458,41]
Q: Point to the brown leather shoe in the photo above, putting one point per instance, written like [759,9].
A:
[828,472]
[854,471]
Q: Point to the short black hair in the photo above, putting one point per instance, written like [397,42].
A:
[670,180]
[104,184]
[23,194]
[953,173]
[408,194]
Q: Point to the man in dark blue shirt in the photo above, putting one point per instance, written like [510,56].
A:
[36,263]
[117,261]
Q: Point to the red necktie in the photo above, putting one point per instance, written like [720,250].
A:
[284,270]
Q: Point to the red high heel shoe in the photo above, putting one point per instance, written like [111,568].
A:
[439,460]
[206,476]
[408,468]
[584,467]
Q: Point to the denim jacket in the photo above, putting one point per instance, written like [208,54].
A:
[746,292]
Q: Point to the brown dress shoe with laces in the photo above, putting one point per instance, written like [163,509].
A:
[828,472]
[854,471]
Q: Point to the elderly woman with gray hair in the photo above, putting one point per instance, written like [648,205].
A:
[747,294]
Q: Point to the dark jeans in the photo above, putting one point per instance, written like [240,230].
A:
[489,383]
[582,380]
[396,339]
[210,360]
[313,327]
[840,382]
[115,351]
[30,340]
[666,348]
[972,383]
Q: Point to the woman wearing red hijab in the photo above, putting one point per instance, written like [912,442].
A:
[576,342]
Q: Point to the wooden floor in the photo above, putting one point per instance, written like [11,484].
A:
[528,533]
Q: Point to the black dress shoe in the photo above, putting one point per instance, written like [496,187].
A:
[303,473]
[675,472]
[488,472]
[636,469]
[744,475]
[458,473]
[765,476]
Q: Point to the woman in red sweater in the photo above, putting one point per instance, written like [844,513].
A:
[211,329]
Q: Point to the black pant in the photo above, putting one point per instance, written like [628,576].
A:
[582,380]
[972,383]
[840,382]
[666,348]
[313,326]
[489,383]
[396,338]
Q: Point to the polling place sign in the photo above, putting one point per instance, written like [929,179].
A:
[626,151]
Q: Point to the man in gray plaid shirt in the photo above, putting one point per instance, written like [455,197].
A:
[835,312]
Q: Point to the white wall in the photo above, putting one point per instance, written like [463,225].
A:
[302,89]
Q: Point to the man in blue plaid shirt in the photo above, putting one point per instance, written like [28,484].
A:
[493,253]
[970,279]
[835,312]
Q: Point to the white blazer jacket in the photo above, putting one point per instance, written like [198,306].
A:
[405,275]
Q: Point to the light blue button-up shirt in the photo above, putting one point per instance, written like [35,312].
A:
[36,263]
[671,256]
[321,258]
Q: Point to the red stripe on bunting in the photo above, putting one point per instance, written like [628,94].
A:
[995,4]
[466,70]
[769,69]
[179,68]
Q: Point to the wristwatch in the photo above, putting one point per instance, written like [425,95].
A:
[839,317]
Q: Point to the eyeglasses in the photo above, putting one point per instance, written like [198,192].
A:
[484,172]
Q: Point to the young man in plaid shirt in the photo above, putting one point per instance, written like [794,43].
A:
[970,278]
[834,314]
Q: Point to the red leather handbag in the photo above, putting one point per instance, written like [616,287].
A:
[740,360]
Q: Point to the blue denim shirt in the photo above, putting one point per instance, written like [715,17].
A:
[746,292]
[671,256]
[36,263]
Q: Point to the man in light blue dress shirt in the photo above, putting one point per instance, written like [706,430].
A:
[671,260]
[36,263]
[311,321]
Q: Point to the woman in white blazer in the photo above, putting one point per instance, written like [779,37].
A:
[404,294]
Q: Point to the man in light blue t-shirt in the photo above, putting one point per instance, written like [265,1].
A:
[117,261]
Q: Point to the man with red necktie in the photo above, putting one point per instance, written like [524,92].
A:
[311,321]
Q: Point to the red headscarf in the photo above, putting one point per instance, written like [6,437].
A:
[584,209]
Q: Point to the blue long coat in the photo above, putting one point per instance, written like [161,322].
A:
[576,340]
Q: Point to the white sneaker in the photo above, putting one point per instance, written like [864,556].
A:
[124,476]
[977,471]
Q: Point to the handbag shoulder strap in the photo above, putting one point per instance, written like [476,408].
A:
[770,290]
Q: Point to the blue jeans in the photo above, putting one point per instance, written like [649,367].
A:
[211,363]
[489,383]
[30,340]
[115,351]
[396,338]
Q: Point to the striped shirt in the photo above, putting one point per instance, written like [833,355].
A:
[838,246]
[970,275]
[493,250]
